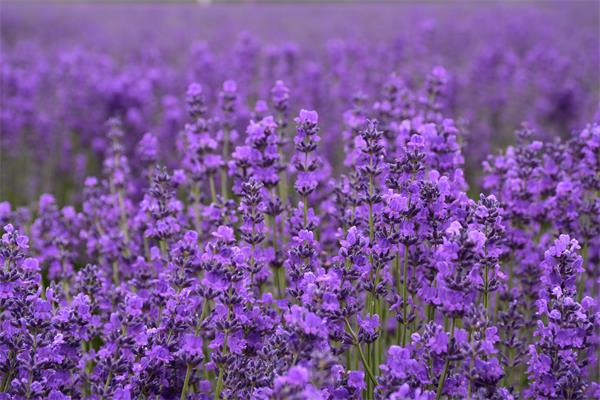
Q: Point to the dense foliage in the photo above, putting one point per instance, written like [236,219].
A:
[279,222]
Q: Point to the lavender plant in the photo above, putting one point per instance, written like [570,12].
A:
[231,244]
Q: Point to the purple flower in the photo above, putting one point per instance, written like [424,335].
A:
[307,118]
[368,328]
[356,380]
[192,345]
[345,257]
[148,148]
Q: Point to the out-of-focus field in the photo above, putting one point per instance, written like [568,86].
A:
[67,68]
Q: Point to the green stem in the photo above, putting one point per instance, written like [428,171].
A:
[397,270]
[581,288]
[115,273]
[186,382]
[146,249]
[219,386]
[276,275]
[446,364]
[469,390]
[5,380]
[486,277]
[382,340]
[224,189]
[431,307]
[65,286]
[163,248]
[282,185]
[196,206]
[33,357]
[305,201]
[213,190]
[108,379]
[123,219]
[485,288]
[404,295]
[361,353]
[371,297]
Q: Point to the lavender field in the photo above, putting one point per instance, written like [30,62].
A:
[300,201]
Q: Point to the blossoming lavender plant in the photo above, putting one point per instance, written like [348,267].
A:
[241,266]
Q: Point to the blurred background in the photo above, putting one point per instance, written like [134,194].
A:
[66,67]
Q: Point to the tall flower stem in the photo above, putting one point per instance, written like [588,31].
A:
[363,358]
[305,210]
[213,191]
[440,387]
[486,278]
[196,207]
[404,295]
[219,386]
[186,381]
[581,286]
[224,188]
[189,367]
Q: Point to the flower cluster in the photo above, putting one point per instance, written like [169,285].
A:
[234,245]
